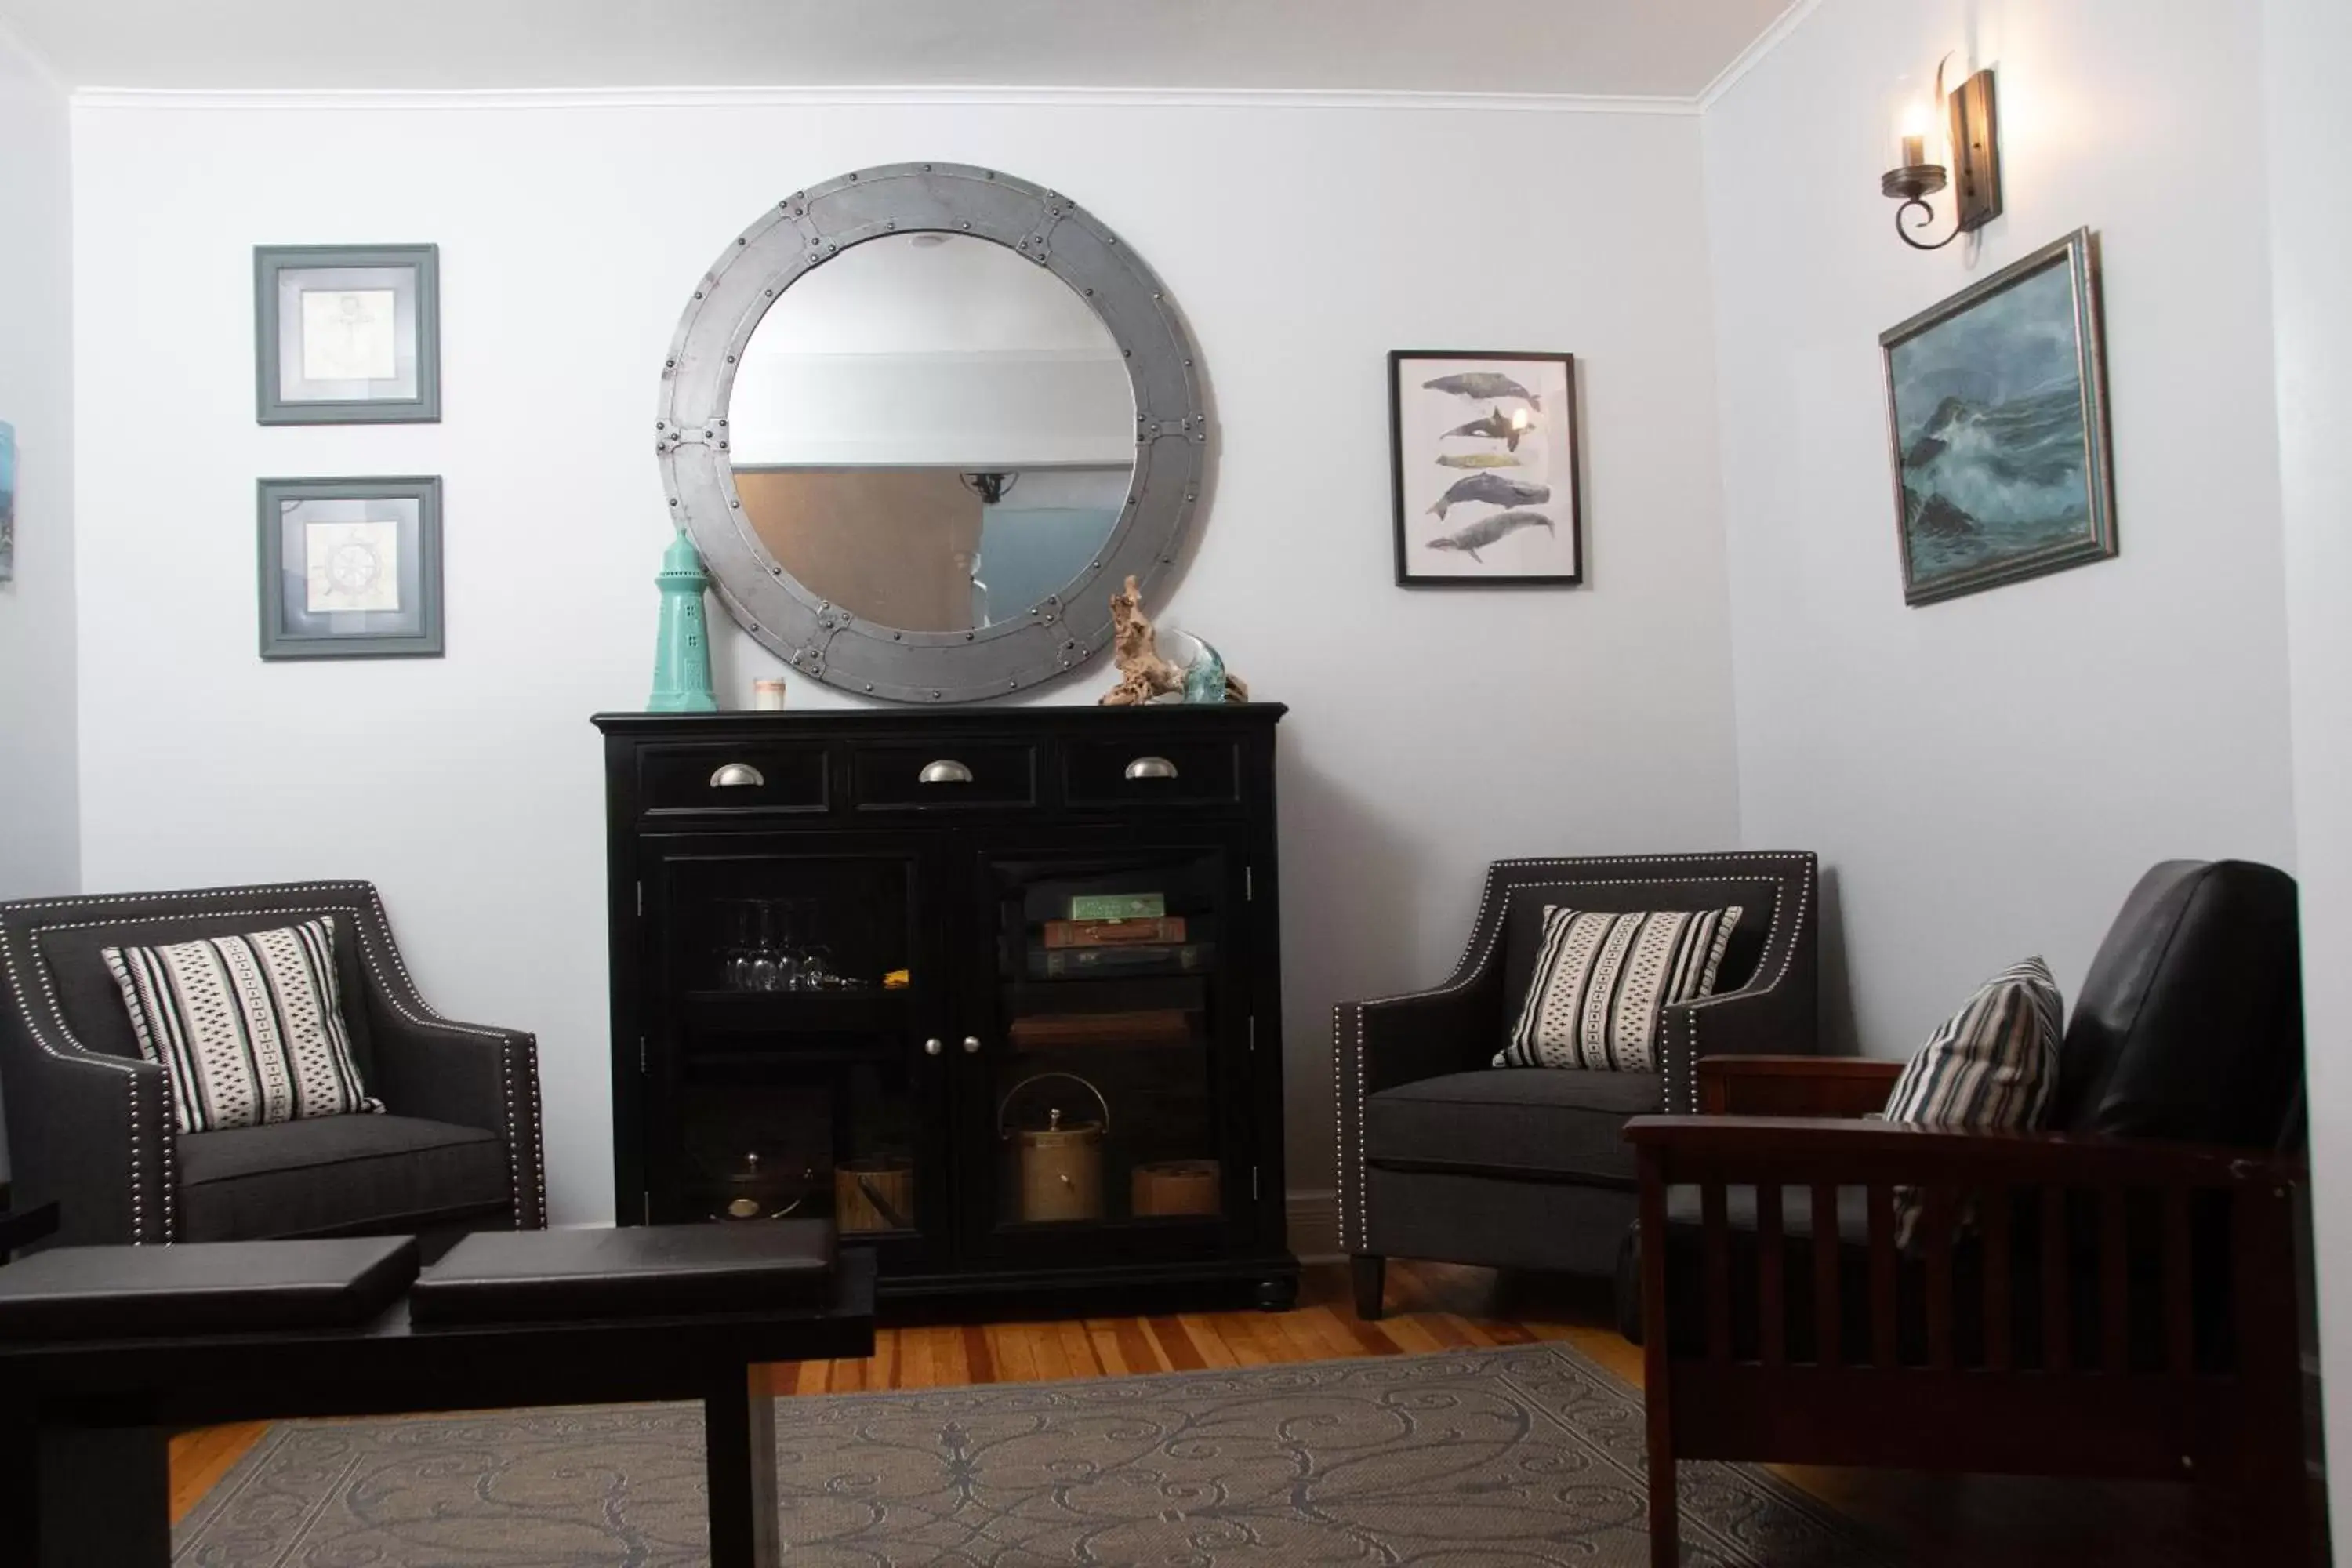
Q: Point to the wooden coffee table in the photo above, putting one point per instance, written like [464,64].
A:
[85,1422]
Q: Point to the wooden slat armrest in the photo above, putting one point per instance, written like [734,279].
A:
[1808,1150]
[1794,1086]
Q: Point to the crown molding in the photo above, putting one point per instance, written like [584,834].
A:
[500,99]
[1749,58]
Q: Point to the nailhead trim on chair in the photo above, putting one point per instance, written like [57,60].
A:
[402,997]
[1468,971]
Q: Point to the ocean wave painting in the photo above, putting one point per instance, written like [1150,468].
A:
[1999,436]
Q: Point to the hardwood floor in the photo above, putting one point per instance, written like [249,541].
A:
[1935,1521]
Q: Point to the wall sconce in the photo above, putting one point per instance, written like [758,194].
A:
[1976,156]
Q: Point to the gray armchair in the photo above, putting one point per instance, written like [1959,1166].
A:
[91,1125]
[1444,1156]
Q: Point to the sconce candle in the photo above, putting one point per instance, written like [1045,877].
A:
[1976,157]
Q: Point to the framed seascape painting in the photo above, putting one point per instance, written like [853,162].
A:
[351,568]
[347,334]
[7,501]
[1486,467]
[1997,402]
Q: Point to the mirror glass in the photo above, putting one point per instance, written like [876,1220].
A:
[932,432]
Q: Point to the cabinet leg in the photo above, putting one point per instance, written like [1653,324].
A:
[1278,1294]
[1371,1279]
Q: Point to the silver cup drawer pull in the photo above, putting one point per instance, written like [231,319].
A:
[1152,768]
[946,771]
[738,776]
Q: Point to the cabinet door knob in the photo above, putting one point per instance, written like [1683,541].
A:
[972,1045]
[932,1047]
[946,771]
[1152,768]
[738,776]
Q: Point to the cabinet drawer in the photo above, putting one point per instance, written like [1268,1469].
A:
[759,776]
[1145,768]
[944,775]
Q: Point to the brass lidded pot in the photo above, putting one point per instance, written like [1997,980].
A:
[1060,1163]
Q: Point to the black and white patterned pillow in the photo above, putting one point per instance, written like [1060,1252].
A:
[1602,980]
[249,1028]
[1993,1066]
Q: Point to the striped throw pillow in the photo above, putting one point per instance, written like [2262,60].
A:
[249,1028]
[1603,979]
[1993,1066]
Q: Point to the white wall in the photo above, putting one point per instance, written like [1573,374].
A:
[38,842]
[1988,777]
[40,851]
[1429,731]
[2311,234]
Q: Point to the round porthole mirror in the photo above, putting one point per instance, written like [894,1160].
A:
[921,421]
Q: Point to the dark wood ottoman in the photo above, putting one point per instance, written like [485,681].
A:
[103,1351]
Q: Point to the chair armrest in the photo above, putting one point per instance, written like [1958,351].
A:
[470,1075]
[1393,1040]
[1424,1034]
[1771,1016]
[1793,1150]
[90,1132]
[1794,1086]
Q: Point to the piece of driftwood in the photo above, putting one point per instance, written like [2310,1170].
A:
[1145,675]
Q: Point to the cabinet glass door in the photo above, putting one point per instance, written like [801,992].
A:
[1111,1077]
[799,978]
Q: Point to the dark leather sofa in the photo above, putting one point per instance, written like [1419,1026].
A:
[2114,1296]
[91,1125]
[1444,1156]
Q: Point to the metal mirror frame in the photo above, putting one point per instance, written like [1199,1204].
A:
[825,640]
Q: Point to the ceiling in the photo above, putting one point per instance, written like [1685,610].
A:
[1670,49]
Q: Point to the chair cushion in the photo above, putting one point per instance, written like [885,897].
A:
[1513,1122]
[2190,1025]
[1602,981]
[338,1173]
[248,1027]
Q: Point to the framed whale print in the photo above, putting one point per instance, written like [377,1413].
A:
[1996,406]
[347,334]
[1485,448]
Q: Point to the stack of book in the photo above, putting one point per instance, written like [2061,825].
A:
[1115,934]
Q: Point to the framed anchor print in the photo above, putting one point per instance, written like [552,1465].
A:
[1486,468]
[347,334]
[351,568]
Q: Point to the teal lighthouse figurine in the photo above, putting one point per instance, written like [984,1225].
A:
[682,644]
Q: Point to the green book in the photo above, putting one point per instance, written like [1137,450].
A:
[1117,906]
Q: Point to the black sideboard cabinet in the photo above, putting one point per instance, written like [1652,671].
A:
[847,981]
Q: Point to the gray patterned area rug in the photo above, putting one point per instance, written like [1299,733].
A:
[1525,1456]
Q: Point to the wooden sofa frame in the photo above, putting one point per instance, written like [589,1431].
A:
[1775,1122]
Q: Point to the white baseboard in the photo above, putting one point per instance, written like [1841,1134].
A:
[1314,1221]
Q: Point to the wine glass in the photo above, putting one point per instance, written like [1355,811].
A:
[768,964]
